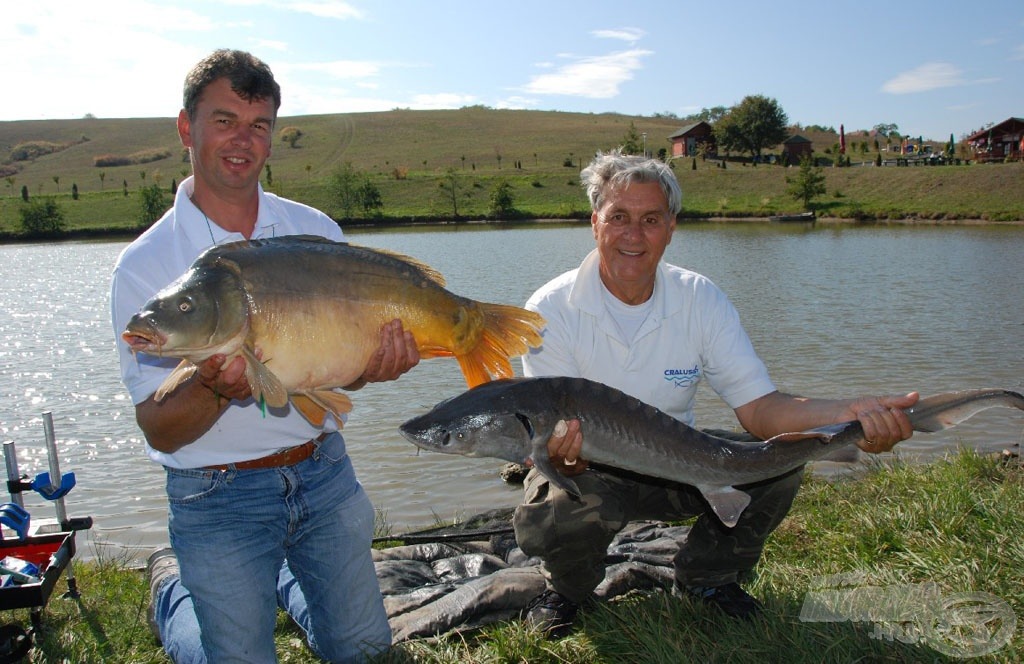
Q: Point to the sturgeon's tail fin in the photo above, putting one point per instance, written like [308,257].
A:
[943,411]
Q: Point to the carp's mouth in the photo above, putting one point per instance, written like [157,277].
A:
[143,342]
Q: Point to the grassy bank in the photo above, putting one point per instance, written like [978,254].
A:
[956,523]
[407,155]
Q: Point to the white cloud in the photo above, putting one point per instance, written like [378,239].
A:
[325,9]
[319,8]
[1017,53]
[442,100]
[929,76]
[271,45]
[596,77]
[338,69]
[516,102]
[630,35]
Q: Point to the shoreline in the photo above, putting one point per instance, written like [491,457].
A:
[384,224]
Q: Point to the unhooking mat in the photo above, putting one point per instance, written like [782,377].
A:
[448,582]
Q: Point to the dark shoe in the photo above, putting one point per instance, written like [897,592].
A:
[730,598]
[161,566]
[552,613]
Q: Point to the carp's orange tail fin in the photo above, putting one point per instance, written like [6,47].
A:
[508,331]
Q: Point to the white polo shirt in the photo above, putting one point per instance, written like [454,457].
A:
[158,257]
[692,333]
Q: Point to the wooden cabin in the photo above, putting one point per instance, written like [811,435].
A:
[687,141]
[794,148]
[1001,142]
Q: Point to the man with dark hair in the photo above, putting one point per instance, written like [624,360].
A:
[264,507]
[627,319]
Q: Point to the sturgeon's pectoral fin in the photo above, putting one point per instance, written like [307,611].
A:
[543,465]
[265,385]
[825,434]
[181,373]
[727,503]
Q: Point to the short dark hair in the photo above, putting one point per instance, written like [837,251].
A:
[250,78]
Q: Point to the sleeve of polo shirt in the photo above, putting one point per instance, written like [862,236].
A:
[555,356]
[731,365]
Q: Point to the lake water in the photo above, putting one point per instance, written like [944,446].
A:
[834,310]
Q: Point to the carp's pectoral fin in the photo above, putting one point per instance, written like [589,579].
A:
[265,385]
[543,465]
[727,503]
[181,373]
[314,405]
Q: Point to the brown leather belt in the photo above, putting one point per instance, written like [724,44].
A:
[288,457]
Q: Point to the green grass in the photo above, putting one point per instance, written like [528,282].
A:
[957,523]
[428,143]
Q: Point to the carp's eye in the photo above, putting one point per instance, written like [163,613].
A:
[185,305]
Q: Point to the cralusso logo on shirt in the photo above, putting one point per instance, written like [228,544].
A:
[683,377]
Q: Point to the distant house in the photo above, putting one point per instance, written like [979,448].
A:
[794,148]
[999,142]
[686,142]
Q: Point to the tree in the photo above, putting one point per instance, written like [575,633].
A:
[352,190]
[42,217]
[884,129]
[290,135]
[370,198]
[753,125]
[502,201]
[344,191]
[152,204]
[450,186]
[809,182]
[631,142]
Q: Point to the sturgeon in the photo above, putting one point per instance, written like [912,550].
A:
[512,419]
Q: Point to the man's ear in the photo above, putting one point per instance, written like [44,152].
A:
[184,129]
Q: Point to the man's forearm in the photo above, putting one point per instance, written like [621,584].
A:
[180,417]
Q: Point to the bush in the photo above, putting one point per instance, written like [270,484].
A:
[290,135]
[502,201]
[142,157]
[152,204]
[42,217]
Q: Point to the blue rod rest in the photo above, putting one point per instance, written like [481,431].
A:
[16,518]
[41,484]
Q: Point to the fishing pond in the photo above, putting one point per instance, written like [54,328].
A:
[834,310]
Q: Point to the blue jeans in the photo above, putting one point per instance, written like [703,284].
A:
[232,532]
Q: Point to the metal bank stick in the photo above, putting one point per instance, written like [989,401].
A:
[55,484]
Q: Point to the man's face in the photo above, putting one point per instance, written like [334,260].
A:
[632,227]
[229,138]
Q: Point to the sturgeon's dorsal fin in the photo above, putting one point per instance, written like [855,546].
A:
[726,502]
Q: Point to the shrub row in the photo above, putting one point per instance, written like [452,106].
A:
[142,157]
[27,150]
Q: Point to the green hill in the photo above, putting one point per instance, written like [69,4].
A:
[407,154]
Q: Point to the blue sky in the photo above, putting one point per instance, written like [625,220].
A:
[931,67]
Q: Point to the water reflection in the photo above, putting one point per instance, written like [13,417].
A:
[833,311]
